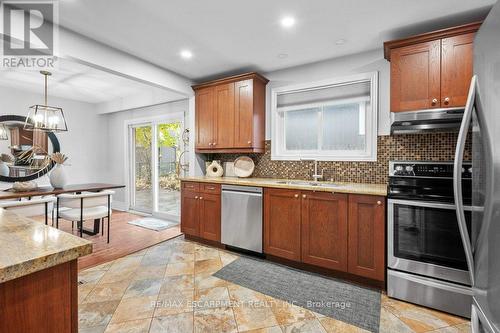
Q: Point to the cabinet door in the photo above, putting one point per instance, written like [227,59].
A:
[190,213]
[243,106]
[415,77]
[224,113]
[324,230]
[367,236]
[456,69]
[282,223]
[205,117]
[210,216]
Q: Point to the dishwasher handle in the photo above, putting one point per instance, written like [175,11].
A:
[239,188]
[243,193]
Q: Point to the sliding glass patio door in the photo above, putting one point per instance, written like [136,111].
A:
[155,151]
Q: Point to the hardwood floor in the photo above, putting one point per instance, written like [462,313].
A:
[125,238]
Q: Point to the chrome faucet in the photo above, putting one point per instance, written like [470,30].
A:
[315,176]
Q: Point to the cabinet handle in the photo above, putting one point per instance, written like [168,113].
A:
[214,143]
[249,142]
[304,196]
[379,202]
[434,101]
[196,197]
[210,143]
[447,100]
[201,198]
[296,195]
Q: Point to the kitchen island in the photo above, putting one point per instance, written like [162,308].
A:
[38,276]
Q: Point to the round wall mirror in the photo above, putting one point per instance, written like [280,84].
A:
[24,154]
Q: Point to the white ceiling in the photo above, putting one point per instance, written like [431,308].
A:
[79,82]
[232,35]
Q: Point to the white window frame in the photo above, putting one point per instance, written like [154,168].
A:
[278,150]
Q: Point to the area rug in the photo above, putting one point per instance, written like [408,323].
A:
[153,223]
[337,299]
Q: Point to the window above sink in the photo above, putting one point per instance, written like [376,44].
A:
[333,120]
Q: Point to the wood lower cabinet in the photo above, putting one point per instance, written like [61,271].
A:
[44,302]
[200,210]
[282,223]
[367,236]
[190,213]
[209,215]
[324,229]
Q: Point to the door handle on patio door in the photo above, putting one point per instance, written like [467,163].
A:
[457,177]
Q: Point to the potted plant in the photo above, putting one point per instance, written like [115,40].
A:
[58,176]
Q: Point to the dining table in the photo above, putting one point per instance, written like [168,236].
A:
[9,194]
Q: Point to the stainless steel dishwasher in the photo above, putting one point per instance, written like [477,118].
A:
[242,217]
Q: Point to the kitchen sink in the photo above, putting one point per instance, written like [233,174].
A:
[305,183]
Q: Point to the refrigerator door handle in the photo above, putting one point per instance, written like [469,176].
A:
[457,177]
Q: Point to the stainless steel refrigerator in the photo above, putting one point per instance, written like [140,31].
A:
[482,119]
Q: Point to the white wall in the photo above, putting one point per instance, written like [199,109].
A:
[117,141]
[83,143]
[344,66]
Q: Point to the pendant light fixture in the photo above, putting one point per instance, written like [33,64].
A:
[44,117]
[3,132]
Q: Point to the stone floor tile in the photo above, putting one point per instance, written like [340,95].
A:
[92,276]
[180,268]
[133,326]
[207,280]
[287,313]
[148,287]
[178,323]
[204,253]
[207,266]
[212,298]
[134,308]
[220,320]
[96,314]
[84,290]
[177,282]
[251,316]
[150,272]
[178,301]
[107,292]
[308,326]
[274,329]
[333,326]
[389,323]
[118,275]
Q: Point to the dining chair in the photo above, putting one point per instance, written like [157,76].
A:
[32,207]
[79,207]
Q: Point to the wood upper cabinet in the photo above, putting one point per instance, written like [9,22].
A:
[205,117]
[282,223]
[431,70]
[415,76]
[366,249]
[456,73]
[324,229]
[230,114]
[200,210]
[224,116]
[244,114]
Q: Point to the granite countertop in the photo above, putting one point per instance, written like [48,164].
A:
[353,188]
[27,246]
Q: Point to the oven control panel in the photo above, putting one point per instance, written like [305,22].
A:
[427,169]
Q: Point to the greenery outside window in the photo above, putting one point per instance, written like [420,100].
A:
[334,120]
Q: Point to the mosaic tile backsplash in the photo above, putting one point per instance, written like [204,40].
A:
[418,147]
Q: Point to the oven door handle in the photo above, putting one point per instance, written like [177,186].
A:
[427,204]
[457,177]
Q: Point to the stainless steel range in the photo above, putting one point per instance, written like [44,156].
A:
[426,257]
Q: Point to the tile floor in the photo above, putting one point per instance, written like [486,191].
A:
[170,288]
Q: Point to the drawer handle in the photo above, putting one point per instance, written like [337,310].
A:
[434,101]
[249,142]
[210,143]
[201,198]
[196,197]
[379,202]
[296,195]
[447,100]
[304,196]
[210,188]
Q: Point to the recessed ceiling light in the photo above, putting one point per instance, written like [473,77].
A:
[288,21]
[186,54]
[282,55]
[340,41]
